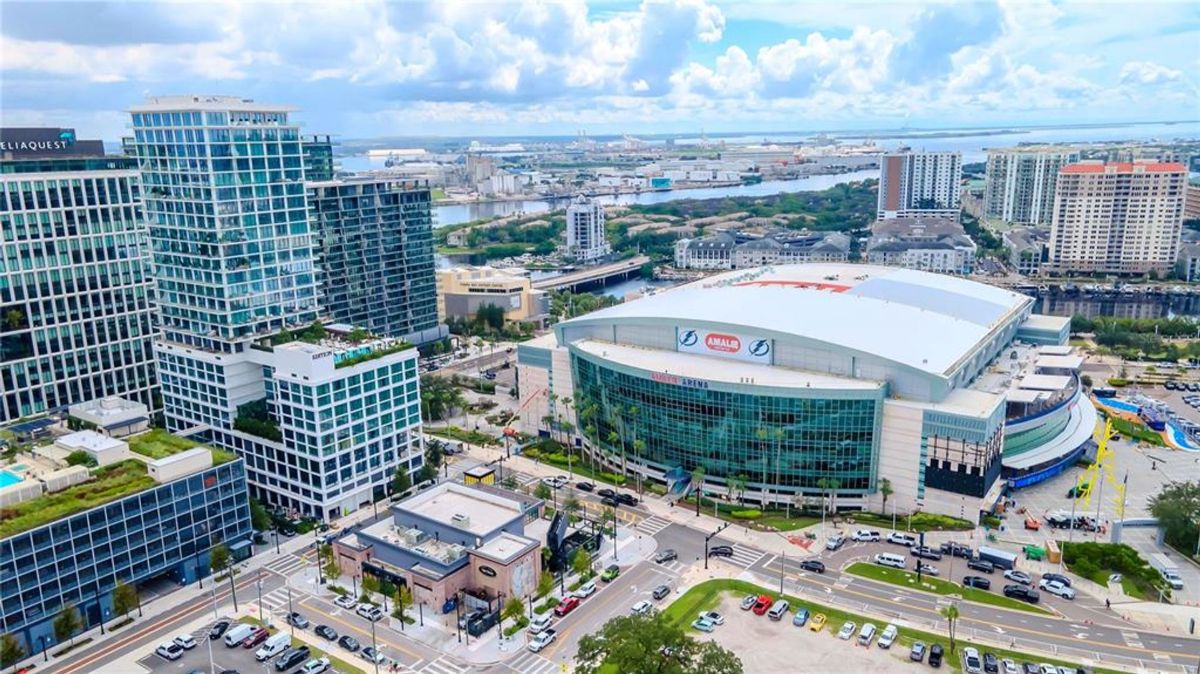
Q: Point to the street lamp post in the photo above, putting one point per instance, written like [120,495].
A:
[292,625]
[374,648]
[258,584]
[42,641]
[277,539]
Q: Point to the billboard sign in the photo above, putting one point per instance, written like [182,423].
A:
[724,345]
[19,143]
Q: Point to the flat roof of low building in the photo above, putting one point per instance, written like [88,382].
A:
[1044,382]
[1060,362]
[1056,350]
[484,512]
[1045,322]
[505,547]
[1021,395]
[90,440]
[707,368]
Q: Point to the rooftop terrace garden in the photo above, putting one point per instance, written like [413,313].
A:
[107,484]
[158,443]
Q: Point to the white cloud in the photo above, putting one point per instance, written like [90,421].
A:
[1146,72]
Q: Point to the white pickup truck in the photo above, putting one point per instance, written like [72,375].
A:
[542,639]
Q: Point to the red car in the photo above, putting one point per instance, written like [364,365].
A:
[566,606]
[763,604]
[256,637]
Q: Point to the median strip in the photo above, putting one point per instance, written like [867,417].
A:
[908,579]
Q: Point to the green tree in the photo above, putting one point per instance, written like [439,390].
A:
[1177,508]
[829,485]
[260,519]
[14,319]
[358,335]
[401,482]
[885,490]
[545,583]
[698,483]
[950,613]
[80,458]
[67,623]
[329,562]
[434,454]
[581,562]
[513,608]
[11,651]
[572,504]
[316,330]
[737,485]
[125,598]
[542,491]
[651,645]
[1086,380]
[218,558]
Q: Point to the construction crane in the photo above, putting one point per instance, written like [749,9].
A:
[1099,472]
[509,431]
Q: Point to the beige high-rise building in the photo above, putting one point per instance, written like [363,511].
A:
[1117,218]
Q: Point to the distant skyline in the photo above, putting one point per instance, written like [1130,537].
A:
[376,69]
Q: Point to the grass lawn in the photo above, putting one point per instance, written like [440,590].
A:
[918,522]
[708,594]
[771,519]
[938,586]
[456,433]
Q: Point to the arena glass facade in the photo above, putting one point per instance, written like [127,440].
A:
[785,439]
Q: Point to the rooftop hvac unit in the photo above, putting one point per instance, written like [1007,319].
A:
[460,520]
[413,537]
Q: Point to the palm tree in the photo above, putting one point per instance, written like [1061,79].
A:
[639,448]
[633,414]
[612,438]
[950,613]
[698,480]
[552,397]
[737,484]
[885,490]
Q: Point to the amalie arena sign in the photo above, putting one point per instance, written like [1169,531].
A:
[724,345]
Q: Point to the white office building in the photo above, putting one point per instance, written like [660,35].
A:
[1020,183]
[322,426]
[585,230]
[920,184]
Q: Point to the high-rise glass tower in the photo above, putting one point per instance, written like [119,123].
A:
[376,243]
[75,281]
[323,425]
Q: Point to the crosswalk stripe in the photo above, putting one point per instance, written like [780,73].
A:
[443,666]
[532,663]
[653,524]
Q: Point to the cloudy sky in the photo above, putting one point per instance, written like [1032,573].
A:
[374,68]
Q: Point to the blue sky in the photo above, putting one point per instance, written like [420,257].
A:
[373,68]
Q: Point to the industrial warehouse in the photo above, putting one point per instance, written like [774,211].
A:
[820,379]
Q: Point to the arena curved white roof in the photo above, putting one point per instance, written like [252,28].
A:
[926,321]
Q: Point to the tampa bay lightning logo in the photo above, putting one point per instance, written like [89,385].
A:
[688,338]
[760,348]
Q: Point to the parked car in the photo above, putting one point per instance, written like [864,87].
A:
[813,565]
[256,637]
[835,541]
[917,652]
[1018,576]
[185,641]
[972,664]
[762,604]
[314,666]
[748,602]
[584,486]
[542,639]
[865,535]
[817,623]
[541,622]
[274,645]
[1009,666]
[1057,577]
[660,592]
[889,636]
[586,590]
[935,655]
[666,556]
[641,608]
[298,620]
[898,538]
[990,664]
[981,565]
[927,569]
[610,573]
[218,629]
[610,501]
[1023,593]
[955,549]
[345,601]
[326,632]
[568,604]
[372,613]
[847,631]
[349,643]
[800,617]
[169,650]
[605,493]
[716,618]
[925,552]
[627,499]
[371,655]
[291,658]
[1056,588]
[977,581]
[703,625]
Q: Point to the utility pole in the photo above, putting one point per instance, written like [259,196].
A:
[782,564]
[710,537]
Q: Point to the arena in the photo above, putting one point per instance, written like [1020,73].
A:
[803,379]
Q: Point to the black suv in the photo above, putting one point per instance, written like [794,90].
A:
[981,565]
[957,550]
[326,632]
[990,664]
[349,643]
[627,499]
[812,565]
[721,551]
[291,658]
[935,655]
[976,581]
[584,486]
[1021,592]
[606,493]
[925,552]
[218,629]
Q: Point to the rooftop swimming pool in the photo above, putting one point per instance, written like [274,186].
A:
[8,479]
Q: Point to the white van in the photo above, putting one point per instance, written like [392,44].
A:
[274,645]
[866,634]
[888,559]
[237,634]
[778,609]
